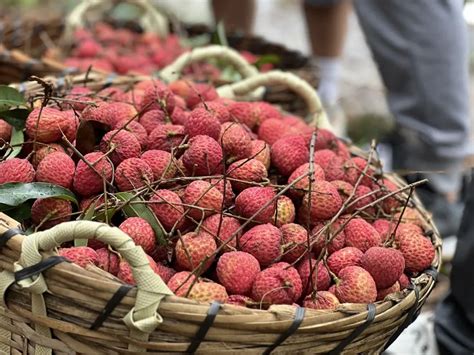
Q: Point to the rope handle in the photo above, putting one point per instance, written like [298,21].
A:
[151,20]
[277,77]
[151,289]
[173,71]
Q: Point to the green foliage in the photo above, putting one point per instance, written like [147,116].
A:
[136,209]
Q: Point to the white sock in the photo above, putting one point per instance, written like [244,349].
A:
[330,71]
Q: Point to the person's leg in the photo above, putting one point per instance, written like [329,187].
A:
[454,323]
[326,22]
[422,53]
[237,15]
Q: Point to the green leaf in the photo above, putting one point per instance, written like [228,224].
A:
[80,242]
[16,117]
[10,97]
[21,212]
[141,210]
[267,58]
[219,36]
[16,141]
[196,41]
[16,193]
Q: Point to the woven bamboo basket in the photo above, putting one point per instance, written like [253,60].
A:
[52,306]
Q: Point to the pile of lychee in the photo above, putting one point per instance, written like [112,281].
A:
[123,51]
[256,206]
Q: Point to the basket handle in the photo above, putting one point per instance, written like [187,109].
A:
[151,289]
[277,77]
[173,71]
[151,20]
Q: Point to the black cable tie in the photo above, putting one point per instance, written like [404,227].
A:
[411,316]
[299,316]
[9,234]
[110,306]
[432,272]
[371,312]
[205,326]
[39,268]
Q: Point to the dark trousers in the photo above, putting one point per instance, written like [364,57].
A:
[454,323]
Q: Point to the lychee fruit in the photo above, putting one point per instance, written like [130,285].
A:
[122,145]
[235,141]
[244,112]
[168,208]
[16,170]
[152,119]
[246,171]
[382,293]
[348,256]
[43,151]
[225,187]
[300,187]
[355,285]
[239,300]
[141,232]
[208,291]
[250,204]
[181,282]
[224,229]
[126,275]
[289,153]
[5,131]
[360,234]
[50,211]
[218,109]
[344,188]
[321,300]
[166,137]
[195,250]
[320,278]
[88,181]
[404,281]
[323,157]
[157,96]
[328,237]
[202,122]
[237,271]
[203,157]
[202,199]
[260,150]
[263,242]
[273,129]
[136,129]
[56,168]
[353,168]
[161,163]
[133,173]
[323,202]
[81,256]
[46,124]
[418,252]
[108,261]
[279,284]
[385,265]
[294,242]
[285,211]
